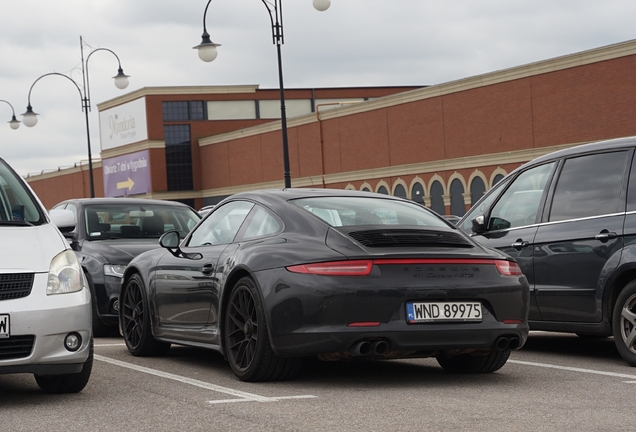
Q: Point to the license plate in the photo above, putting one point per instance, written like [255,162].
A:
[5,328]
[443,311]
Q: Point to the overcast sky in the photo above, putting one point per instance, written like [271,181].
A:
[353,43]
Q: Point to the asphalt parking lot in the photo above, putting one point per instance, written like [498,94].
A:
[556,382]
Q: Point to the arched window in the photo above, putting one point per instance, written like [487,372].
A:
[497,179]
[437,200]
[383,190]
[477,189]
[400,191]
[417,193]
[366,189]
[458,207]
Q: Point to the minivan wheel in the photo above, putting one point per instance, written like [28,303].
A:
[624,323]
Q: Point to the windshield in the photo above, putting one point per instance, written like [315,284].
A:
[352,211]
[137,220]
[17,204]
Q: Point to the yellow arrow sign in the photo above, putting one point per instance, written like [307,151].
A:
[126,184]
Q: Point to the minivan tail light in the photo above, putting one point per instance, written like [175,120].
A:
[508,268]
[335,268]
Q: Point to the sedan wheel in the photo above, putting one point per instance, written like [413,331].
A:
[624,323]
[135,320]
[246,339]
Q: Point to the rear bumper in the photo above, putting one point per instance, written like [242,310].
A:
[309,314]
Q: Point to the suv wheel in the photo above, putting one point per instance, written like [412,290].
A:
[624,323]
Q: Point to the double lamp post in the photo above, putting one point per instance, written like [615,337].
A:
[208,52]
[30,119]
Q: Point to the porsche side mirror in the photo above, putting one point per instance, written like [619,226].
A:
[170,240]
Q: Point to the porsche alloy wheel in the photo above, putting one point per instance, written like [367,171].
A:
[135,321]
[246,340]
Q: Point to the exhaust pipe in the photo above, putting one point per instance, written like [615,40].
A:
[514,343]
[362,348]
[380,347]
[502,343]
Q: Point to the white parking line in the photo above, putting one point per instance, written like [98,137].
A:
[107,345]
[243,396]
[574,369]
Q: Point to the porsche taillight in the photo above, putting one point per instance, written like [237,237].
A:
[335,268]
[508,268]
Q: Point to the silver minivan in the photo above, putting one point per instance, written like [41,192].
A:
[45,305]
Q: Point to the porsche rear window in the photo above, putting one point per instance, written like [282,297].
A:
[353,211]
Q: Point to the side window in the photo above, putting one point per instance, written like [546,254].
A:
[481,207]
[519,205]
[261,224]
[631,189]
[589,186]
[222,225]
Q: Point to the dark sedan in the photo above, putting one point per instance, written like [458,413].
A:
[109,233]
[271,277]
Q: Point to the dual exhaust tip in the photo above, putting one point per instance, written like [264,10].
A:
[507,343]
[365,348]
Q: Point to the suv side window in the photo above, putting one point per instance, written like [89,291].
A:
[519,205]
[589,186]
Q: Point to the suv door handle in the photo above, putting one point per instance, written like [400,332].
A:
[207,269]
[605,235]
[520,244]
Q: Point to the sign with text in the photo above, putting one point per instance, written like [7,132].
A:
[127,175]
[123,124]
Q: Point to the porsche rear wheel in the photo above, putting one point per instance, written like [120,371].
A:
[246,338]
[473,364]
[135,320]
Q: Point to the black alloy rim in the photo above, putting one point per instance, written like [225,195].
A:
[133,312]
[628,323]
[242,329]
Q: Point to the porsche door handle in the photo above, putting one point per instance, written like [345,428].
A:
[207,269]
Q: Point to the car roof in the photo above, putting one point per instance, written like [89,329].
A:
[141,201]
[296,193]
[614,144]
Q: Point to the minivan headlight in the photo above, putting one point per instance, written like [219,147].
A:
[65,274]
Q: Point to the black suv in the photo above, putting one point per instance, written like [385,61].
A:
[569,219]
[112,231]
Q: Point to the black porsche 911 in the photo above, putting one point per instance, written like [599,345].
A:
[271,277]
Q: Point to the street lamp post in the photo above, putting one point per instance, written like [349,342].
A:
[208,52]
[14,123]
[121,82]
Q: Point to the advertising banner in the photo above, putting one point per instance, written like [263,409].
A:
[123,124]
[127,175]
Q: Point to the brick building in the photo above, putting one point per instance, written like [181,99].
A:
[442,145]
